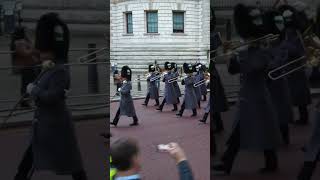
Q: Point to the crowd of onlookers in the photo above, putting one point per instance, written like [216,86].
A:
[10,16]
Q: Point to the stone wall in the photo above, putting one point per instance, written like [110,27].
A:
[139,49]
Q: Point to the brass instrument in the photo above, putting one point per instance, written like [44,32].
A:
[197,84]
[311,44]
[231,46]
[172,80]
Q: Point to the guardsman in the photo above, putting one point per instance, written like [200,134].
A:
[203,87]
[54,145]
[153,91]
[126,107]
[175,83]
[190,99]
[256,126]
[196,69]
[170,94]
[279,89]
[298,81]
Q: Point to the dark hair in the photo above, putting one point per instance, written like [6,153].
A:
[122,151]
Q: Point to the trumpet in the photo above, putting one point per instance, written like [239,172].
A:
[197,84]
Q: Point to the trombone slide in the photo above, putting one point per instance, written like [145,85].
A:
[284,66]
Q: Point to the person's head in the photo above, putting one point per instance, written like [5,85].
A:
[167,66]
[292,18]
[273,22]
[52,37]
[126,73]
[248,21]
[125,155]
[188,68]
[152,68]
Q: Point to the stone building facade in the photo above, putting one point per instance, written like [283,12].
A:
[145,31]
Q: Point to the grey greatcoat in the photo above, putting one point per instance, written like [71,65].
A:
[203,87]
[170,93]
[313,146]
[190,98]
[298,81]
[152,86]
[54,143]
[176,85]
[279,89]
[126,102]
[259,128]
[197,89]
[207,109]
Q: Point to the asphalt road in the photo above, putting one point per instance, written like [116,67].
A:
[14,142]
[161,128]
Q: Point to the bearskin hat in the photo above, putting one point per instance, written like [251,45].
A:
[273,22]
[293,18]
[126,73]
[187,68]
[167,66]
[248,21]
[152,68]
[174,66]
[52,34]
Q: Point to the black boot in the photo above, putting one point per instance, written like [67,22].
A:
[161,106]
[204,98]
[175,107]
[199,104]
[307,170]
[304,116]
[194,112]
[271,162]
[204,119]
[135,121]
[157,102]
[25,169]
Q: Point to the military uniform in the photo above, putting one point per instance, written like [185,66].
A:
[256,127]
[190,99]
[126,107]
[153,91]
[170,94]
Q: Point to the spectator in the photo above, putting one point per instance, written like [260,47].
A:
[125,158]
[9,15]
[24,56]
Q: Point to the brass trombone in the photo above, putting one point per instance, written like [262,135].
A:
[281,68]
[197,84]
[172,80]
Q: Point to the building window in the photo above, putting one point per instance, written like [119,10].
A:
[129,24]
[178,22]
[152,21]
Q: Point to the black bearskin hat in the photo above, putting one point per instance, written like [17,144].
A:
[126,73]
[248,21]
[274,22]
[293,18]
[152,68]
[187,68]
[174,66]
[167,66]
[52,34]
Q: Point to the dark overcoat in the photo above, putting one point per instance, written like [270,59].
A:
[197,89]
[126,102]
[152,86]
[259,127]
[313,146]
[279,89]
[219,99]
[170,93]
[298,81]
[54,143]
[190,98]
[176,85]
[203,87]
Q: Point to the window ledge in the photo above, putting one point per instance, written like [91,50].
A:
[179,34]
[127,35]
[151,34]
